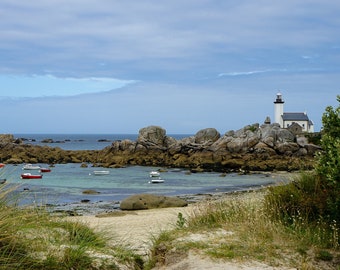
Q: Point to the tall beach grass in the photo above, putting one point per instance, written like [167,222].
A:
[31,238]
[241,228]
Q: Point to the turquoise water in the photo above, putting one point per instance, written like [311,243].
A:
[66,183]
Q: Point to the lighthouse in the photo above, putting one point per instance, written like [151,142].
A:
[278,109]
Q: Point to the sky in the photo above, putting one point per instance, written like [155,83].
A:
[109,66]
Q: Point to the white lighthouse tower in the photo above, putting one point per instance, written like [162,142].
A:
[278,109]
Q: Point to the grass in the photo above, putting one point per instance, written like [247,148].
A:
[240,228]
[30,238]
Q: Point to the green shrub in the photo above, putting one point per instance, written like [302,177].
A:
[312,200]
[329,160]
[302,197]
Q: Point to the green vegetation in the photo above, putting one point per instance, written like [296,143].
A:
[295,225]
[33,239]
[314,197]
[240,228]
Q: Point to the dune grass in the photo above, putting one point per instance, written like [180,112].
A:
[240,228]
[31,238]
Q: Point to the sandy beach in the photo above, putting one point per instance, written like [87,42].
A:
[137,229]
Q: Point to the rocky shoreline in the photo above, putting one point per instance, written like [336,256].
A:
[113,208]
[265,147]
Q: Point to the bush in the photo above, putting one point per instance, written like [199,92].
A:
[303,197]
[314,197]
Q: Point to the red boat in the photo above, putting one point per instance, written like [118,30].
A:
[2,165]
[45,170]
[30,176]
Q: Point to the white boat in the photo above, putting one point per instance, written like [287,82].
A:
[31,167]
[154,174]
[156,181]
[101,172]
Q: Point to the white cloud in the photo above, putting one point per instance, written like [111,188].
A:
[71,47]
[48,85]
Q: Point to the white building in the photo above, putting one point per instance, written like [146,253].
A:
[291,119]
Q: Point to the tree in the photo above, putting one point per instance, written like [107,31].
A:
[328,166]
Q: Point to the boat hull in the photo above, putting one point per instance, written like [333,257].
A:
[101,172]
[30,176]
[156,181]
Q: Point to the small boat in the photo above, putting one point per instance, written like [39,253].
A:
[101,172]
[44,170]
[3,181]
[154,174]
[2,165]
[156,181]
[30,176]
[31,167]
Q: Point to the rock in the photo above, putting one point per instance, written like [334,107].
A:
[47,140]
[149,201]
[152,135]
[301,141]
[207,135]
[267,121]
[253,147]
[287,147]
[6,138]
[312,149]
[90,191]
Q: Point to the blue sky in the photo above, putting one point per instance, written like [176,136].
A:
[106,66]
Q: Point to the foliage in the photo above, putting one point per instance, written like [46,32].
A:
[31,238]
[329,160]
[313,198]
[181,220]
[239,228]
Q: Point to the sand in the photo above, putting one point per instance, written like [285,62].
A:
[138,229]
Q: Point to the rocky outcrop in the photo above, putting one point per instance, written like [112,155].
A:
[149,201]
[254,147]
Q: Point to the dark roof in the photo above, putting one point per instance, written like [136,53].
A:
[295,117]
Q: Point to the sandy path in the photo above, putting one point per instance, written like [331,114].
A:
[138,228]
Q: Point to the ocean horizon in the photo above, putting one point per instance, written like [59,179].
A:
[81,141]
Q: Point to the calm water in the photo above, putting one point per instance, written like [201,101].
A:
[82,141]
[66,183]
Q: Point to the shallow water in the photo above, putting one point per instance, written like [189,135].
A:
[66,183]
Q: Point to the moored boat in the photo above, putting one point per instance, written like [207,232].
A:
[101,172]
[2,165]
[156,181]
[31,167]
[30,176]
[154,174]
[44,170]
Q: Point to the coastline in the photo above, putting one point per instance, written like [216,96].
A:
[107,209]
[137,229]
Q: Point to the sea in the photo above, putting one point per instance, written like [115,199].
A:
[66,183]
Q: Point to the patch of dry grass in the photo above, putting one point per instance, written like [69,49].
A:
[238,228]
